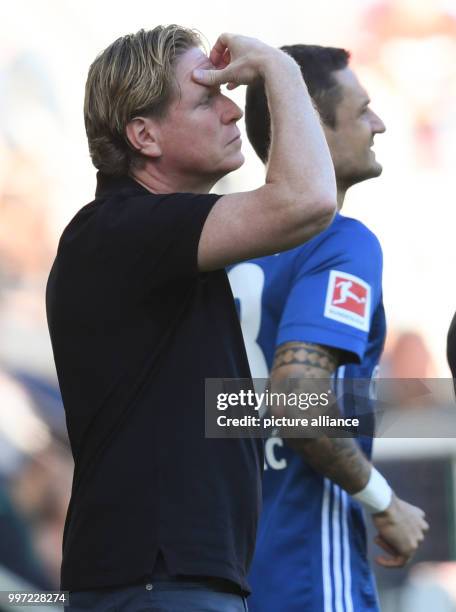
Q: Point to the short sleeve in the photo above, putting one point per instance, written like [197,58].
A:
[335,289]
[156,237]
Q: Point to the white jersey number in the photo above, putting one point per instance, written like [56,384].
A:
[247,283]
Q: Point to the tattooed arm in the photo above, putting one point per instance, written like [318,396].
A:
[339,459]
[401,526]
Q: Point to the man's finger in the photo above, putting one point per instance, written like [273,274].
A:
[226,58]
[219,49]
[386,547]
[211,77]
[398,561]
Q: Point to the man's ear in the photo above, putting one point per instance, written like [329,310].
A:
[143,135]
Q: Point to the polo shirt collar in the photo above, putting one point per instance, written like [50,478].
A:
[107,184]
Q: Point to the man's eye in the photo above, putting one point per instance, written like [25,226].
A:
[208,99]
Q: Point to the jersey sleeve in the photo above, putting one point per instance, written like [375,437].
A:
[154,238]
[336,287]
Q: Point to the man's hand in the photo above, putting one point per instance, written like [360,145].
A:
[401,528]
[298,198]
[238,60]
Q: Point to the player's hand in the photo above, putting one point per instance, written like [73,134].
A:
[238,60]
[401,528]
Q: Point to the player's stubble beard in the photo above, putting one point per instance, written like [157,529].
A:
[347,179]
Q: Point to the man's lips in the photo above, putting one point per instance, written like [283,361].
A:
[237,137]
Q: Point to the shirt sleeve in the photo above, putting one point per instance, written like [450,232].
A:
[335,289]
[155,238]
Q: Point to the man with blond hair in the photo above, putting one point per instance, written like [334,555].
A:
[140,313]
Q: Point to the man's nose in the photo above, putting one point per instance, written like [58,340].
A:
[230,111]
[378,127]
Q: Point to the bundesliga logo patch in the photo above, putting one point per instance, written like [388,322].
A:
[348,300]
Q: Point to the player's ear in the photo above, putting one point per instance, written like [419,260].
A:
[144,135]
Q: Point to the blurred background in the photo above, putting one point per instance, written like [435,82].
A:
[405,54]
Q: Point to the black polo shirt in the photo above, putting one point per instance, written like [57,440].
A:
[135,329]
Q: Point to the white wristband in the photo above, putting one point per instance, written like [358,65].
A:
[376,495]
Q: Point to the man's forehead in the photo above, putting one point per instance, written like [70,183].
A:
[351,87]
[190,60]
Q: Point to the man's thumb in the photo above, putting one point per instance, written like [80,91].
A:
[209,77]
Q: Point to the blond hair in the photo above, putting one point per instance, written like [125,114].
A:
[134,76]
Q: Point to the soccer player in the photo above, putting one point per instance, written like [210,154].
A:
[316,312]
[160,517]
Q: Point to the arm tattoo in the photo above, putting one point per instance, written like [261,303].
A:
[339,459]
[317,361]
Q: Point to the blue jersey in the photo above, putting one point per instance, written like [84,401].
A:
[311,545]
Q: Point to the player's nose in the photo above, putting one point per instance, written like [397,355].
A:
[378,127]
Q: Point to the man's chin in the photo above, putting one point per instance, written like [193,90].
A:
[234,163]
[376,170]
[373,171]
[239,161]
[228,167]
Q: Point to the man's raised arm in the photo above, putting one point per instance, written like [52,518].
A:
[298,199]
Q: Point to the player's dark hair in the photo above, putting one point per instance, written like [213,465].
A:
[317,66]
